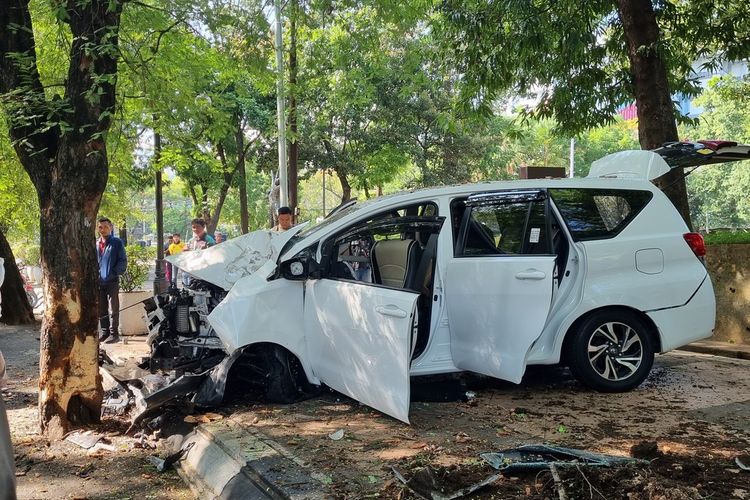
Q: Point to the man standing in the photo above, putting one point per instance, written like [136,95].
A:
[285,219]
[200,240]
[112,263]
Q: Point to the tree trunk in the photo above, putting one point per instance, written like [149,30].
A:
[292,178]
[240,139]
[70,390]
[656,119]
[346,188]
[57,160]
[16,309]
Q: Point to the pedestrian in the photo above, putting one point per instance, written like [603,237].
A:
[167,265]
[285,219]
[200,241]
[110,253]
[175,248]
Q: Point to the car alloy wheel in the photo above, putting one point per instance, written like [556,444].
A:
[615,351]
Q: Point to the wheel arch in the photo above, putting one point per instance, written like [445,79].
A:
[268,346]
[653,330]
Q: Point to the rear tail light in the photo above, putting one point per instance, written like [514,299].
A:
[696,244]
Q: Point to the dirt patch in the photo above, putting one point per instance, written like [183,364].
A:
[60,469]
[687,457]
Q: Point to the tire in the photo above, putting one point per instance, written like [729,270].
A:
[281,384]
[612,351]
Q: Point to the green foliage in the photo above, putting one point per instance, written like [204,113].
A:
[139,261]
[719,192]
[573,54]
[727,237]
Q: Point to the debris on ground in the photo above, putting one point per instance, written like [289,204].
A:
[84,439]
[426,483]
[337,435]
[541,456]
[165,464]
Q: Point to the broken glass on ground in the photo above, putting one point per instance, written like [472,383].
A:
[540,456]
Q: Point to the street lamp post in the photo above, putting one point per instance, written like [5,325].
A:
[280,108]
[160,283]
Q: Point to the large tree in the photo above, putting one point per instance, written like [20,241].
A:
[60,140]
[586,60]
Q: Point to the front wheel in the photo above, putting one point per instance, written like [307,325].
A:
[612,351]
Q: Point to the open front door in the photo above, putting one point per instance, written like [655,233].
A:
[499,284]
[359,337]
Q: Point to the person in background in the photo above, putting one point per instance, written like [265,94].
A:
[219,237]
[200,241]
[175,248]
[285,219]
[167,265]
[110,253]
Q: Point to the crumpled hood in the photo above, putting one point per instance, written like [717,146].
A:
[224,264]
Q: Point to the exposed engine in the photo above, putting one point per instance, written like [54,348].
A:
[180,335]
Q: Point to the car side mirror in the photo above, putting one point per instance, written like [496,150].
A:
[295,269]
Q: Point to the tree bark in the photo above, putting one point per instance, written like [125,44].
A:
[58,158]
[240,139]
[16,309]
[656,118]
[293,160]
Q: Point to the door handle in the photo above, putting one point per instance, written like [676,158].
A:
[531,274]
[391,310]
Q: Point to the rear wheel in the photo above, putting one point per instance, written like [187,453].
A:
[612,351]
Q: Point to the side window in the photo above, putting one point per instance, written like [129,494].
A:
[593,214]
[500,227]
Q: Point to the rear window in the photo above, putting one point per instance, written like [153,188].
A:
[595,214]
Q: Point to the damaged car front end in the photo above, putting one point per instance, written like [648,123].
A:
[189,360]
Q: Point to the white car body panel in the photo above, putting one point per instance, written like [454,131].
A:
[636,164]
[497,308]
[359,339]
[225,264]
[681,325]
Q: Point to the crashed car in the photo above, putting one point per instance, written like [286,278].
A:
[598,273]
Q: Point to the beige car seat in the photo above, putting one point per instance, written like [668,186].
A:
[394,261]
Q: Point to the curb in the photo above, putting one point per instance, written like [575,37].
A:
[227,460]
[717,350]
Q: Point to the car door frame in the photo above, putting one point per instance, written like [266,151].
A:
[370,363]
[477,319]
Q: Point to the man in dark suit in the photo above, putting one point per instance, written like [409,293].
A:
[110,252]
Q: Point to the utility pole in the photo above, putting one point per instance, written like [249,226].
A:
[280,111]
[572,158]
[160,284]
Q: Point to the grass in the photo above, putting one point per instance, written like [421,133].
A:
[727,236]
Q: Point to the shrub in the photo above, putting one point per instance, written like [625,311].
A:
[139,263]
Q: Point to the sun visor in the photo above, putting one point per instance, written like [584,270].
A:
[224,264]
[634,164]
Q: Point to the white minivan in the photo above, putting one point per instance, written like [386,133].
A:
[598,273]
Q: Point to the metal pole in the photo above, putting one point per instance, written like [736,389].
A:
[280,111]
[572,158]
[160,283]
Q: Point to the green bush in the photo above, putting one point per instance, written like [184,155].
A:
[139,262]
[724,237]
